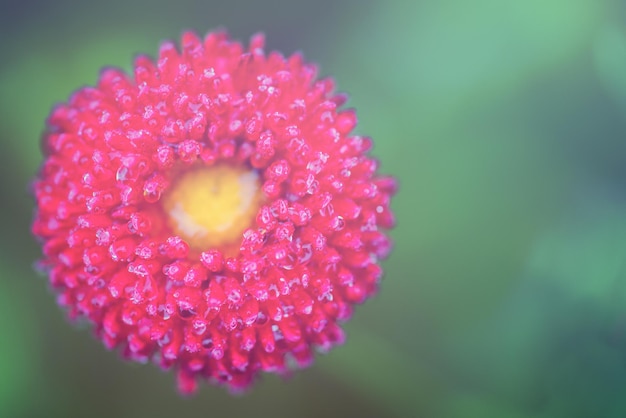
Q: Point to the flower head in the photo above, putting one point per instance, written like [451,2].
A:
[212,211]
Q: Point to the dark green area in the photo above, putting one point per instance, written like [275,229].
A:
[505,123]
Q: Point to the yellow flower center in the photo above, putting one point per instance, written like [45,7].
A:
[210,207]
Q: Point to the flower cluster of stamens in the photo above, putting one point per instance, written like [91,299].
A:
[212,212]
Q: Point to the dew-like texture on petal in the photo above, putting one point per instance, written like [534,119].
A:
[120,234]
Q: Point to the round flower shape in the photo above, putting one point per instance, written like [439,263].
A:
[212,212]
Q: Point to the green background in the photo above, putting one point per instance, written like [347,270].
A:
[504,122]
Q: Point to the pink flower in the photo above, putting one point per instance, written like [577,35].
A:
[212,212]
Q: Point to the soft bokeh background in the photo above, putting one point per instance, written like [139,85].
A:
[505,123]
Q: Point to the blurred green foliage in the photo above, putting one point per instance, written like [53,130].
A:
[504,122]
